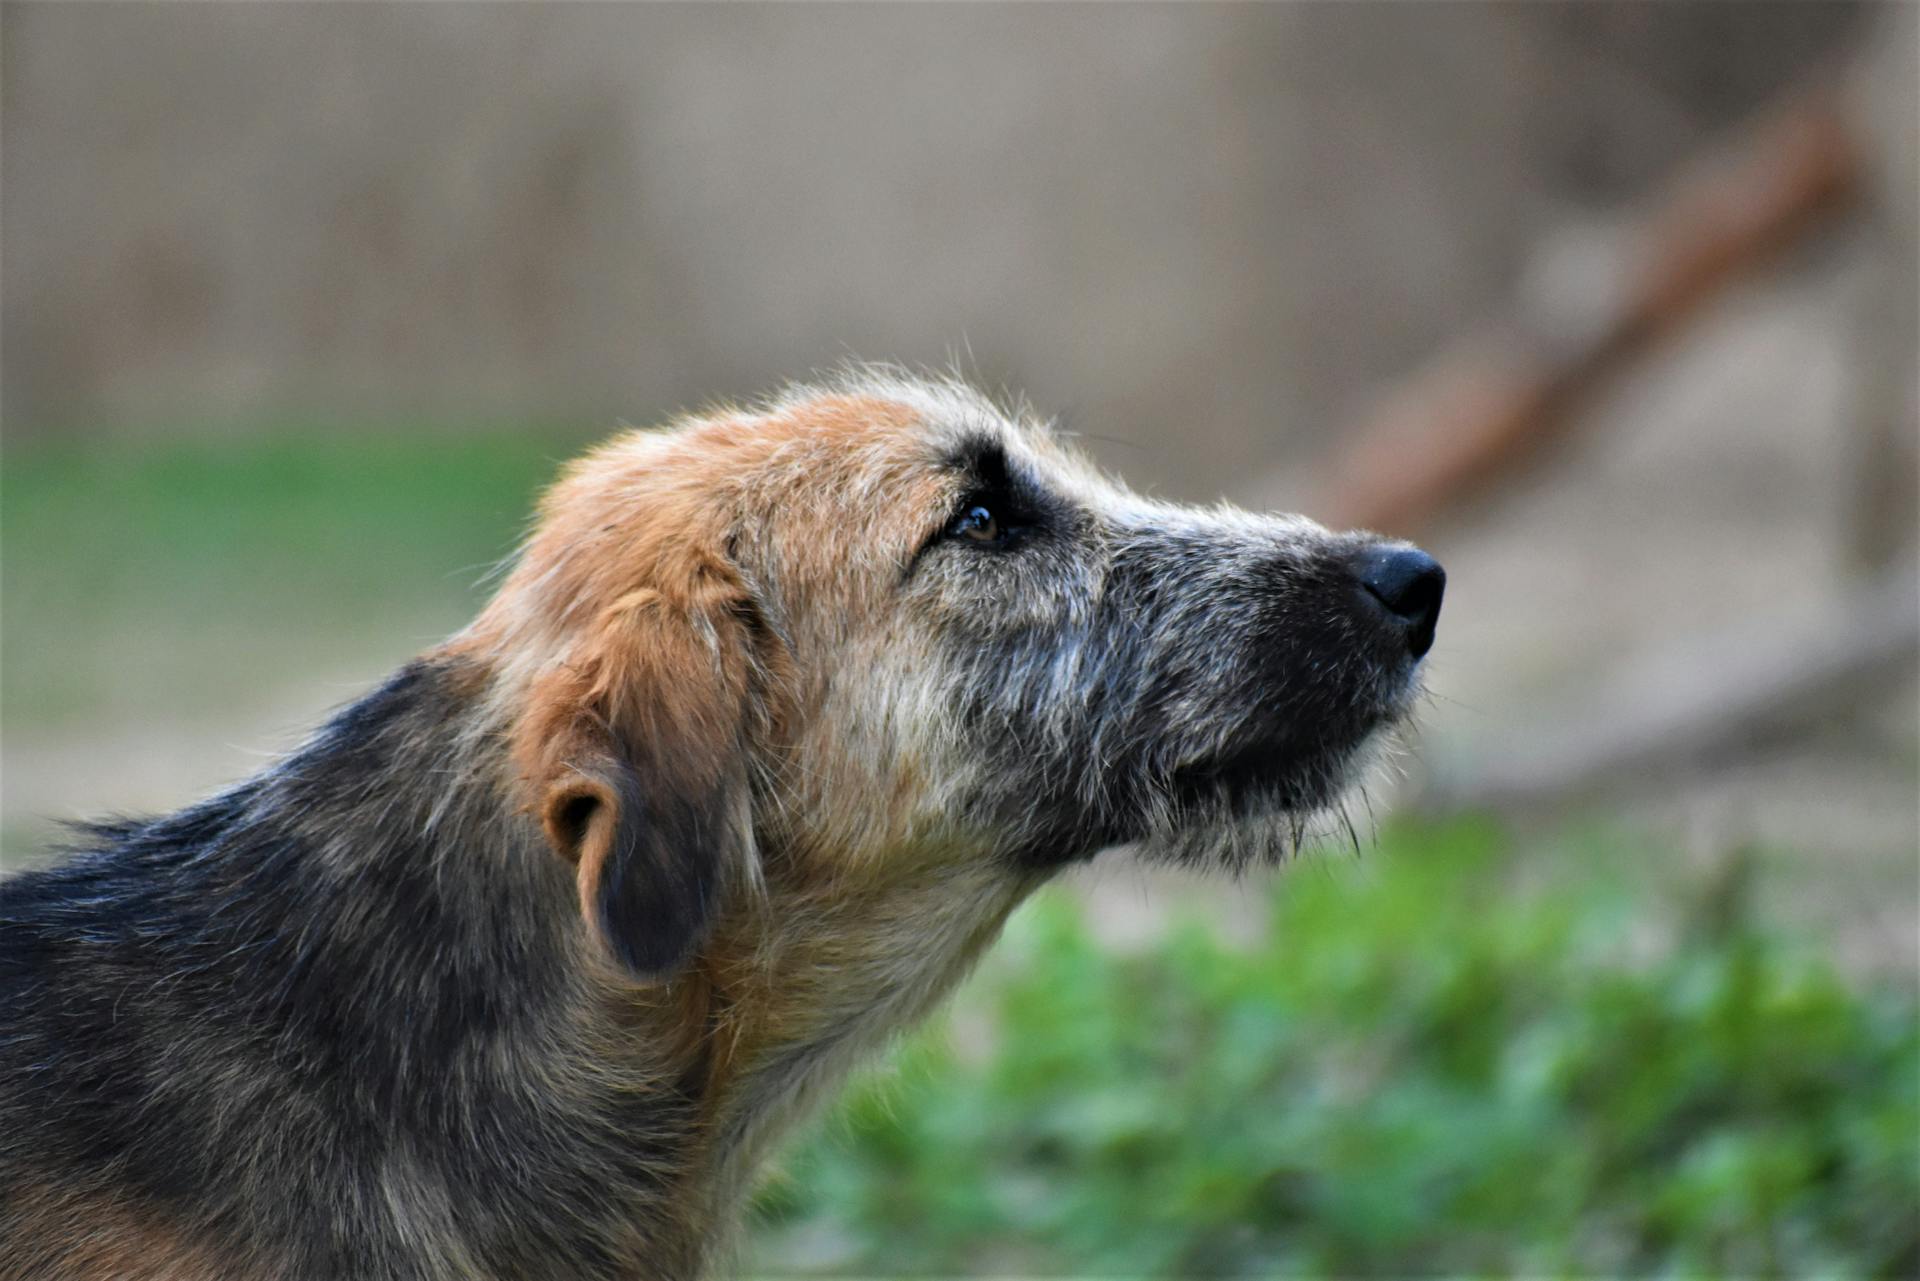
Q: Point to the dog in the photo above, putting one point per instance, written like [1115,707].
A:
[519,966]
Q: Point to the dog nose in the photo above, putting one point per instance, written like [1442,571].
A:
[1409,583]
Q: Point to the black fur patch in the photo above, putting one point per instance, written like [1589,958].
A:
[269,1012]
[656,888]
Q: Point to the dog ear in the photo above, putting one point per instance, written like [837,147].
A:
[635,749]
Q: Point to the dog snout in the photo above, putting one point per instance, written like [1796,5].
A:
[1407,585]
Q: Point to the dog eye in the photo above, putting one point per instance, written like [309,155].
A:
[978,523]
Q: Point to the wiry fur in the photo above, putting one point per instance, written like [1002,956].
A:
[517,968]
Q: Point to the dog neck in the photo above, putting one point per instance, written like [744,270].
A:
[804,982]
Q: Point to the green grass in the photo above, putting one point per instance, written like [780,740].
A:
[1422,1070]
[147,579]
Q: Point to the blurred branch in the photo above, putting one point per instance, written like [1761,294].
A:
[1710,698]
[1481,410]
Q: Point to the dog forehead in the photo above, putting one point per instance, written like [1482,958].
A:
[861,469]
[888,429]
[867,432]
[848,433]
[852,481]
[912,448]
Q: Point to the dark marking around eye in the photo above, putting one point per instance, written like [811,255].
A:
[985,464]
[999,507]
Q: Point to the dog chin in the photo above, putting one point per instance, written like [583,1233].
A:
[1259,808]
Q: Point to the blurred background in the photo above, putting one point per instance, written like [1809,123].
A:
[1612,306]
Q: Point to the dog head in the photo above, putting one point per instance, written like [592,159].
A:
[886,623]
